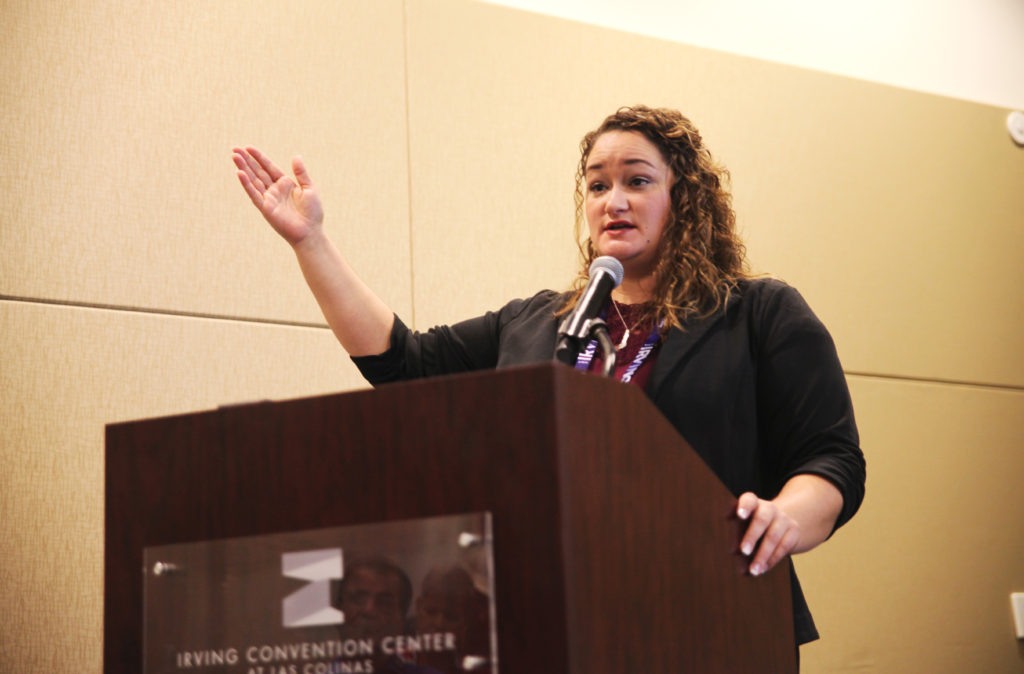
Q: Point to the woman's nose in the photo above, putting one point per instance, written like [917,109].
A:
[617,200]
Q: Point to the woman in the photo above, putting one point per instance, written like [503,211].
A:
[740,366]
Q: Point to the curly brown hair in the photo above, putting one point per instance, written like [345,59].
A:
[701,257]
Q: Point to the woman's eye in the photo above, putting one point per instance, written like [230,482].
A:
[639,180]
[596,187]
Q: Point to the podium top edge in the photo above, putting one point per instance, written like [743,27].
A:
[556,370]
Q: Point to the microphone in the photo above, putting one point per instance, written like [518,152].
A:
[605,275]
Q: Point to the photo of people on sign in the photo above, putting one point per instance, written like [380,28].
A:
[410,597]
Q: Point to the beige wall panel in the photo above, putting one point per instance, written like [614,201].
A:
[920,580]
[897,213]
[119,119]
[64,374]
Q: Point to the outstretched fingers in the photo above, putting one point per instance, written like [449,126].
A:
[265,183]
[261,171]
[265,164]
[290,204]
[255,195]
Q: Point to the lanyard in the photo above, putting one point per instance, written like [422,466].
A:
[586,357]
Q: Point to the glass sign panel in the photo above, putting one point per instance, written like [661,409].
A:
[412,596]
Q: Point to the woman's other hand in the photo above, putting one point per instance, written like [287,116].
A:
[291,206]
[772,534]
[797,520]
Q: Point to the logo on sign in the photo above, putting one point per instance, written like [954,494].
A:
[311,605]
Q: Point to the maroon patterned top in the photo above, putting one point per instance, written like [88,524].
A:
[639,331]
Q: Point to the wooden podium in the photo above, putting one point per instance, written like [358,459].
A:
[615,547]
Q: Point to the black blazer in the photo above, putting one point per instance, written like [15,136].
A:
[757,388]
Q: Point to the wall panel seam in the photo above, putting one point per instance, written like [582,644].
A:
[97,306]
[323,326]
[933,380]
[408,159]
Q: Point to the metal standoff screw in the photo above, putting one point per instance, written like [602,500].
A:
[469,540]
[165,568]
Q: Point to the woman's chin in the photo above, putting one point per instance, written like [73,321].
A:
[616,249]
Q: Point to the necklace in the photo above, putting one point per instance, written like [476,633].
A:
[586,357]
[625,335]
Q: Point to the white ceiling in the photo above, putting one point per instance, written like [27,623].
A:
[968,49]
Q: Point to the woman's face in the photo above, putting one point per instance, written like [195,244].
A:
[628,199]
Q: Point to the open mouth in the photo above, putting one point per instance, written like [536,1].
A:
[618,226]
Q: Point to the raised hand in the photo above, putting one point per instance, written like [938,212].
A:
[291,206]
[360,320]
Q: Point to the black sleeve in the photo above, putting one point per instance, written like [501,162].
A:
[469,345]
[804,407]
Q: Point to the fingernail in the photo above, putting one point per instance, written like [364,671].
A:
[742,513]
[747,548]
[756,570]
